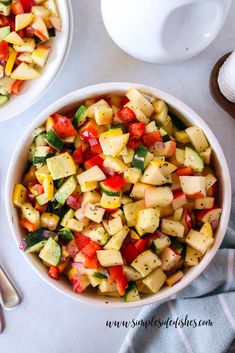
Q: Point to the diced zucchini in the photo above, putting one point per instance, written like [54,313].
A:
[147,221]
[152,175]
[207,229]
[92,174]
[137,99]
[193,160]
[97,234]
[146,262]
[91,197]
[68,215]
[199,241]
[197,138]
[51,252]
[159,244]
[131,274]
[169,259]
[94,212]
[132,175]
[193,257]
[115,225]
[155,280]
[175,278]
[33,239]
[112,142]
[140,155]
[109,257]
[110,201]
[115,242]
[29,213]
[158,196]
[138,190]
[115,164]
[182,136]
[49,220]
[131,293]
[172,228]
[74,225]
[106,287]
[131,211]
[66,189]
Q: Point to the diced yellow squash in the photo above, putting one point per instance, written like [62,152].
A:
[10,62]
[71,273]
[110,201]
[132,175]
[32,215]
[23,20]
[40,55]
[207,229]
[193,257]
[117,239]
[140,101]
[131,211]
[115,163]
[74,225]
[48,186]
[49,123]
[61,166]
[27,46]
[103,114]
[182,136]
[109,257]
[91,197]
[112,143]
[40,11]
[49,220]
[91,174]
[24,72]
[152,175]
[41,173]
[52,7]
[94,212]
[155,280]
[199,241]
[89,186]
[115,225]
[68,215]
[166,168]
[25,57]
[19,195]
[147,221]
[146,262]
[175,278]
[14,38]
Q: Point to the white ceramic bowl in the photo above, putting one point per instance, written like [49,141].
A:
[17,166]
[34,89]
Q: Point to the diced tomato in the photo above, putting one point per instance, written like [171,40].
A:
[90,132]
[81,240]
[122,284]
[74,201]
[91,263]
[21,33]
[63,126]
[142,244]
[134,144]
[184,171]
[54,272]
[115,273]
[17,8]
[5,21]
[97,160]
[27,4]
[70,115]
[4,51]
[77,155]
[90,249]
[129,252]
[136,130]
[108,171]
[40,208]
[27,225]
[95,146]
[88,154]
[126,114]
[124,101]
[150,139]
[115,182]
[15,89]
[108,100]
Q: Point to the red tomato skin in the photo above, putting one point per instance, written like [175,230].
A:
[184,171]
[115,273]
[126,114]
[134,144]
[96,160]
[150,139]
[121,285]
[77,155]
[90,249]
[136,131]
[81,240]
[63,126]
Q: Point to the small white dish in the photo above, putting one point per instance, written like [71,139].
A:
[71,101]
[164,31]
[34,89]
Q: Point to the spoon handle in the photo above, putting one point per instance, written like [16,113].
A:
[9,296]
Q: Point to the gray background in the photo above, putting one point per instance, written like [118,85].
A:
[46,321]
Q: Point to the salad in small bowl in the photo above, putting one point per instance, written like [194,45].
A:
[120,197]
[34,37]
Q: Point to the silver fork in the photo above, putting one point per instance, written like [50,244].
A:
[9,295]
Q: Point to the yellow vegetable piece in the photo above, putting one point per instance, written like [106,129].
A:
[19,195]
[41,173]
[61,166]
[24,72]
[10,62]
[23,20]
[49,220]
[48,187]
[49,123]
[14,38]
[206,229]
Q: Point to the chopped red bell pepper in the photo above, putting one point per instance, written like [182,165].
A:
[17,8]
[97,160]
[74,201]
[77,155]
[142,244]
[89,132]
[136,130]
[126,114]
[27,4]
[115,182]
[91,263]
[12,24]
[150,139]
[81,240]
[54,272]
[129,252]
[4,51]
[121,285]
[88,154]
[90,249]
[134,144]
[40,208]
[63,126]
[95,146]
[40,35]
[4,21]
[124,101]
[27,225]
[115,273]
[111,210]
[184,171]
[15,89]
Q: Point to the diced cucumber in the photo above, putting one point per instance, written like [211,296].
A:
[80,116]
[40,140]
[109,257]
[97,234]
[131,293]
[138,160]
[51,252]
[34,238]
[177,122]
[3,100]
[99,275]
[117,239]
[54,140]
[159,244]
[66,190]
[155,280]
[165,136]
[67,216]
[4,31]
[192,159]
[5,9]
[131,274]
[116,126]
[65,234]
[61,166]
[37,247]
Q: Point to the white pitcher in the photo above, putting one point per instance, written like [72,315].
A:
[164,31]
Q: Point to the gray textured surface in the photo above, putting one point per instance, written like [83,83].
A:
[46,321]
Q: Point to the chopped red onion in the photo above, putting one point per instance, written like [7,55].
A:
[23,245]
[215,224]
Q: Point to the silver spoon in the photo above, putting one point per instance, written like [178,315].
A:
[9,296]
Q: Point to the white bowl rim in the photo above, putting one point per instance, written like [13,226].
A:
[194,118]
[57,71]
